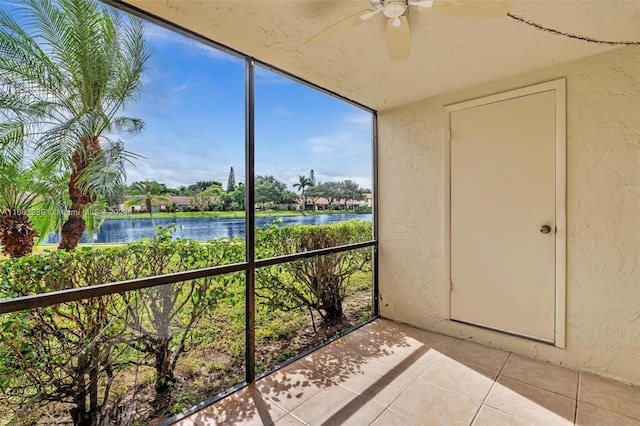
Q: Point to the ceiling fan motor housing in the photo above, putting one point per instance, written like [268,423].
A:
[390,8]
[394,8]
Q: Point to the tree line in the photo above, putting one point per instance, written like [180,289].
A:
[270,193]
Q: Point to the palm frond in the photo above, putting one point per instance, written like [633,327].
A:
[132,200]
[93,218]
[11,136]
[106,174]
[24,63]
[129,126]
[66,72]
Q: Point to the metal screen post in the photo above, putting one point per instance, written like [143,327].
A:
[250,302]
[374,161]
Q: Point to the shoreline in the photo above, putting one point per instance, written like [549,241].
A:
[123,230]
[225,214]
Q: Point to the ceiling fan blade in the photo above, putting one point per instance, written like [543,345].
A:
[371,13]
[398,39]
[421,3]
[472,8]
[339,27]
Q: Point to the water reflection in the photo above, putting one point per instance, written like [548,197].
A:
[198,228]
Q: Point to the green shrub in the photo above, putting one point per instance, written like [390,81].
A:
[64,353]
[363,210]
[318,284]
[71,352]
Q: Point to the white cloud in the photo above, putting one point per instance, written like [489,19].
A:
[185,172]
[283,112]
[156,33]
[360,119]
[176,90]
[323,144]
[344,143]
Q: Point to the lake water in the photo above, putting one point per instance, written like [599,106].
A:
[198,228]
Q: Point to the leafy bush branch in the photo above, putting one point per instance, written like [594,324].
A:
[318,284]
[71,353]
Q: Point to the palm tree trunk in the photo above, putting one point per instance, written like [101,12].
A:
[148,205]
[74,226]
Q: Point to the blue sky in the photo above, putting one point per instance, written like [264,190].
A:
[193,105]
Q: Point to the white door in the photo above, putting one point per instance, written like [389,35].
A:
[503,198]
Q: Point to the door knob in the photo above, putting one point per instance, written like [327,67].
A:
[545,229]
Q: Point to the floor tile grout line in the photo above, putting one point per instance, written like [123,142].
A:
[336,383]
[351,401]
[441,354]
[496,382]
[471,365]
[403,392]
[378,416]
[388,407]
[397,414]
[506,361]
[264,397]
[437,386]
[417,377]
[635,419]
[596,405]
[538,387]
[351,390]
[282,407]
[455,339]
[297,418]
[528,384]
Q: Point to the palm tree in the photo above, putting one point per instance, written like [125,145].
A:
[32,204]
[150,192]
[288,198]
[66,71]
[18,197]
[352,192]
[303,183]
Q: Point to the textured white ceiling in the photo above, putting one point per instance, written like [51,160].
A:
[447,54]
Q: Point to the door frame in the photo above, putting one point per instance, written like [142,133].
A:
[559,86]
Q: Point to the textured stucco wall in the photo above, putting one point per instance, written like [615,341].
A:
[603,216]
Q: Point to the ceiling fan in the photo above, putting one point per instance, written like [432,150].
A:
[398,34]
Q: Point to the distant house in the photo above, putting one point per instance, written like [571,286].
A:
[369,199]
[181,203]
[321,203]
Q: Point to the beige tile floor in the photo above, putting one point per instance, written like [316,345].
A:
[391,374]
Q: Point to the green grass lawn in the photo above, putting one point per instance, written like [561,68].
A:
[43,248]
